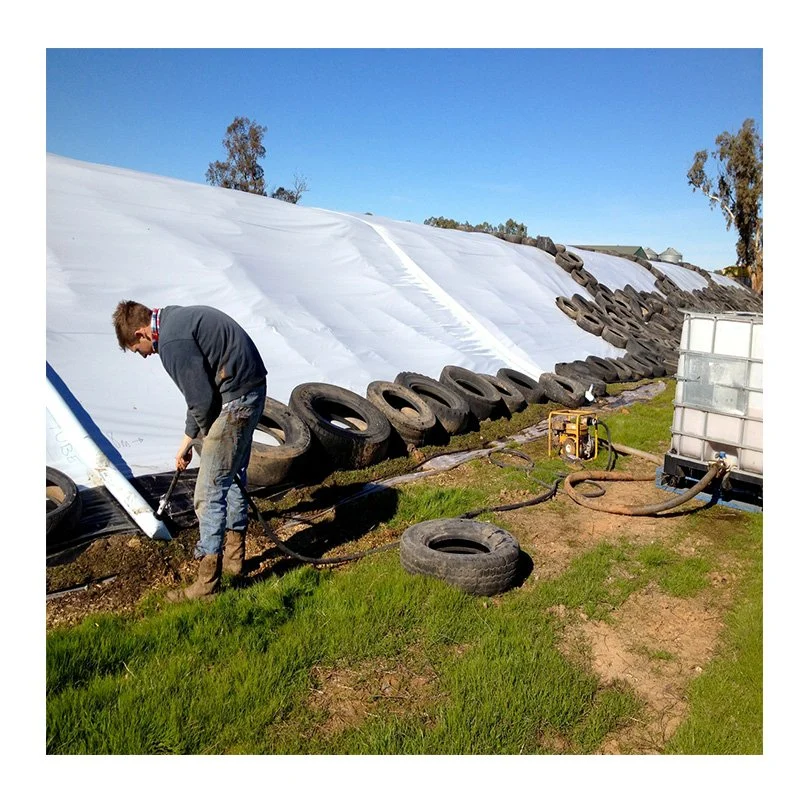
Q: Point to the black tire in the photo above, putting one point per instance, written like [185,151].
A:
[615,335]
[273,465]
[582,277]
[604,368]
[477,557]
[546,243]
[64,508]
[406,411]
[449,407]
[663,321]
[625,302]
[581,372]
[364,437]
[483,399]
[626,374]
[530,389]
[648,357]
[639,367]
[511,396]
[603,296]
[561,389]
[590,323]
[567,306]
[583,304]
[568,261]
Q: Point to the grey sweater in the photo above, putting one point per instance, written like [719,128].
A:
[211,359]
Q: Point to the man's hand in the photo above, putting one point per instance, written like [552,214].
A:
[184,456]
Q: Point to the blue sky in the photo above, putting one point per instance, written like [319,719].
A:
[586,146]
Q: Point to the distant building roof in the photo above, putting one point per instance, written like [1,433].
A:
[650,253]
[625,249]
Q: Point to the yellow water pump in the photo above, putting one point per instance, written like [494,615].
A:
[572,434]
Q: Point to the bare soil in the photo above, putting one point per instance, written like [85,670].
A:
[653,642]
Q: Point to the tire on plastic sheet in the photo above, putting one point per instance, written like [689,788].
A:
[477,557]
[567,306]
[583,373]
[604,368]
[615,335]
[584,305]
[483,399]
[409,415]
[529,388]
[512,397]
[582,277]
[449,407]
[64,506]
[566,391]
[568,260]
[625,373]
[271,465]
[639,367]
[591,323]
[351,432]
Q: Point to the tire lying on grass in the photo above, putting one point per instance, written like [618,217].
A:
[477,557]
[406,411]
[64,507]
[564,390]
[449,407]
[271,465]
[511,396]
[351,431]
[483,399]
[530,389]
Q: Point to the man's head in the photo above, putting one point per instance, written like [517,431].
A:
[132,325]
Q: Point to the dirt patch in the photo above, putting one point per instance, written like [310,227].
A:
[345,697]
[656,644]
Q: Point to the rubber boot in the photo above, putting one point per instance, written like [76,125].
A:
[206,585]
[233,555]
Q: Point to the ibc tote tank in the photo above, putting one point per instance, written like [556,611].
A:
[719,399]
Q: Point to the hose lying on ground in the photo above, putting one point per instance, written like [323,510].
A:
[540,498]
[714,471]
[306,559]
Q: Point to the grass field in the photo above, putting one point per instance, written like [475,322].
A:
[367,659]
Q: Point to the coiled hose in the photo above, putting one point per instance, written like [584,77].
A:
[715,471]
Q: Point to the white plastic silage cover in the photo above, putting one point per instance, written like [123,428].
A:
[338,298]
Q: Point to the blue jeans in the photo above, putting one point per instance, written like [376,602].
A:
[218,501]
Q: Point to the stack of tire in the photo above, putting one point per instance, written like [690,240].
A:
[326,428]
[646,324]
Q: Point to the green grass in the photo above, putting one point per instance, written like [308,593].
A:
[726,701]
[238,675]
[233,675]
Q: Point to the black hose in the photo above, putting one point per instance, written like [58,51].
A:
[297,556]
[540,498]
[607,442]
[715,470]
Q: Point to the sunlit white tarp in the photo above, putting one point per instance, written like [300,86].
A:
[339,298]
